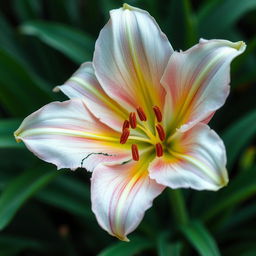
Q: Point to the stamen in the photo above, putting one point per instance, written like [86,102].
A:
[158,113]
[135,152]
[160,131]
[132,119]
[141,114]
[126,124]
[159,149]
[124,136]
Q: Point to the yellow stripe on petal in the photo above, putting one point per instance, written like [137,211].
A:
[84,85]
[130,56]
[69,136]
[197,82]
[121,193]
[67,132]
[196,159]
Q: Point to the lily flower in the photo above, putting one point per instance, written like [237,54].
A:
[137,118]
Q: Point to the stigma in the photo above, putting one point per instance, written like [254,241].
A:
[138,120]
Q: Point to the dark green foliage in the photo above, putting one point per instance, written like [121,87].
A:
[48,212]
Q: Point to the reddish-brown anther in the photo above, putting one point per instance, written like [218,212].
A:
[135,152]
[160,131]
[124,136]
[158,113]
[132,119]
[141,114]
[126,124]
[159,150]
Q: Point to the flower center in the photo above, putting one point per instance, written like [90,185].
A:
[134,126]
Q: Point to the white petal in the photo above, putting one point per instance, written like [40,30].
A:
[130,56]
[84,85]
[120,196]
[69,136]
[197,81]
[197,160]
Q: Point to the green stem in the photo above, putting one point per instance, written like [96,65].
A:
[178,207]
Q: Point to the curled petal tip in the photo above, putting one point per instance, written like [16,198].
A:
[17,137]
[127,7]
[224,182]
[122,238]
[240,45]
[56,89]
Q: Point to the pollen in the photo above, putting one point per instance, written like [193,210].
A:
[159,150]
[135,152]
[160,131]
[132,119]
[139,132]
[158,113]
[141,114]
[124,136]
[126,124]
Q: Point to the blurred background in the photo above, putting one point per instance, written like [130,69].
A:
[48,212]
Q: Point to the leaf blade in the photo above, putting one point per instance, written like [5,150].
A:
[136,245]
[7,127]
[210,17]
[21,189]
[200,239]
[241,188]
[75,44]
[238,135]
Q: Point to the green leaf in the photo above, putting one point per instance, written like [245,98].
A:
[165,248]
[21,189]
[29,54]
[250,252]
[8,40]
[241,216]
[239,189]
[238,135]
[73,11]
[241,248]
[179,209]
[182,23]
[136,245]
[247,159]
[68,193]
[244,65]
[27,9]
[200,239]
[20,91]
[7,127]
[107,5]
[7,245]
[75,44]
[222,15]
